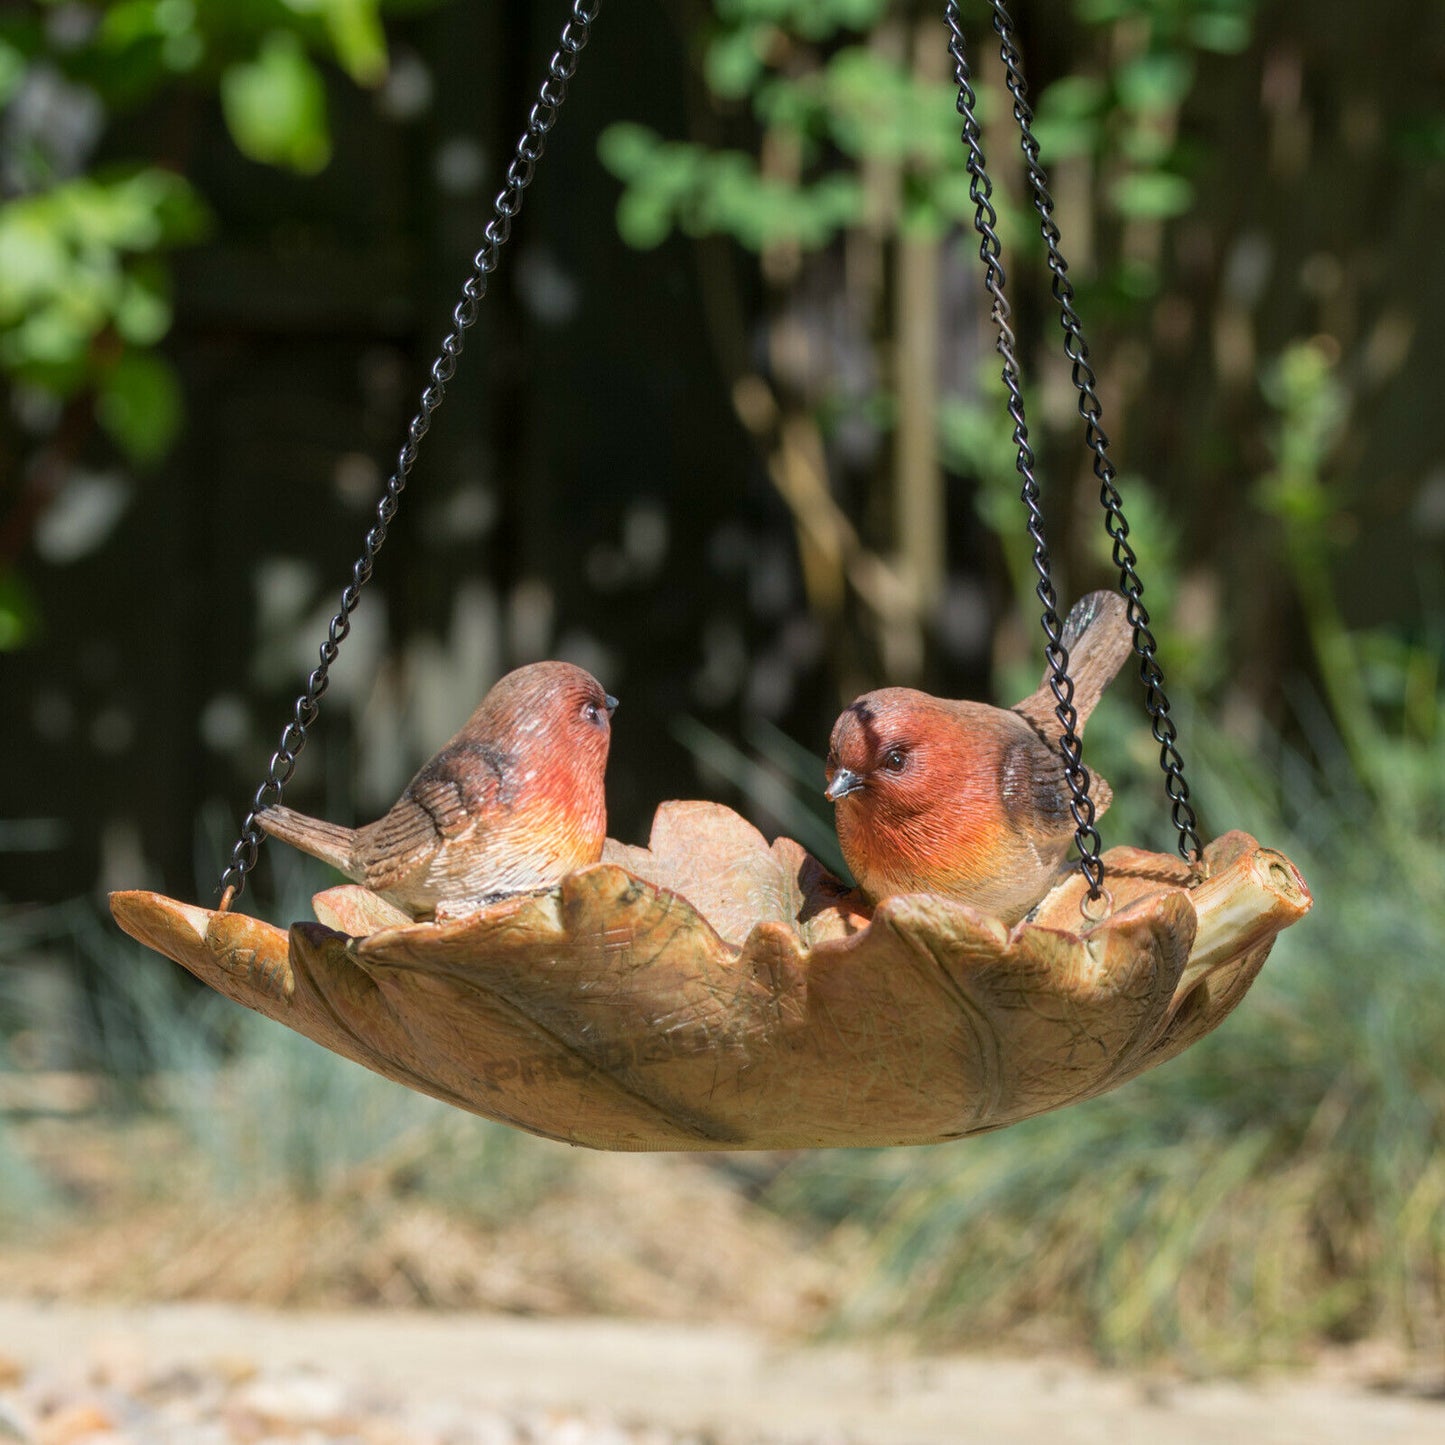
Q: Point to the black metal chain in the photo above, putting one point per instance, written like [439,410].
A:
[1090,409]
[508,204]
[980,189]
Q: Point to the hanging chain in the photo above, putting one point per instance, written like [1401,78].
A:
[1150,673]
[506,207]
[980,190]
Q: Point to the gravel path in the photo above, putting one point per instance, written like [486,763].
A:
[221,1375]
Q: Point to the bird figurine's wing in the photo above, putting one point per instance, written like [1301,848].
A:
[1035,791]
[441,803]
[1032,785]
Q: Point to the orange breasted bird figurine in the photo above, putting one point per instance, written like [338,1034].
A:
[513,803]
[963,799]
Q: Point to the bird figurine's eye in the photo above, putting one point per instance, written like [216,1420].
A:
[894,759]
[593,714]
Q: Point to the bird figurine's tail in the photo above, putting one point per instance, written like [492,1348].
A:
[330,842]
[1098,637]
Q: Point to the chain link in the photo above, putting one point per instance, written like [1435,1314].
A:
[1081,805]
[1090,409]
[540,120]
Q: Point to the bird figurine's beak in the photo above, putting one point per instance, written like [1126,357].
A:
[610,703]
[841,784]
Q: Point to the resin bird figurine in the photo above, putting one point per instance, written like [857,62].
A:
[963,799]
[510,805]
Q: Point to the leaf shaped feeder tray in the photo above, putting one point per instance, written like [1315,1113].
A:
[712,992]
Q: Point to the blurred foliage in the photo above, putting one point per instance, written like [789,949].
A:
[676,183]
[85,290]
[83,298]
[833,139]
[850,102]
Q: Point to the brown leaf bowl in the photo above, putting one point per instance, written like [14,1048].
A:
[712,992]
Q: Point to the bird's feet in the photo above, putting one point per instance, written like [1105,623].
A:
[457,909]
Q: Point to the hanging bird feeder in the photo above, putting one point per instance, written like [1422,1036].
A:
[712,991]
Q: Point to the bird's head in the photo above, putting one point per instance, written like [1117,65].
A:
[882,757]
[916,784]
[555,708]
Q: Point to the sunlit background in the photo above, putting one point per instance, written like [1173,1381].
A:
[730,433]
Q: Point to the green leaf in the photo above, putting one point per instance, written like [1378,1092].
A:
[32,261]
[182,214]
[627,149]
[80,258]
[1152,195]
[1067,121]
[1101,12]
[734,62]
[140,44]
[139,211]
[360,43]
[19,614]
[877,108]
[140,405]
[1224,33]
[1157,82]
[643,219]
[143,312]
[52,337]
[811,19]
[1073,98]
[12,71]
[1146,146]
[275,106]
